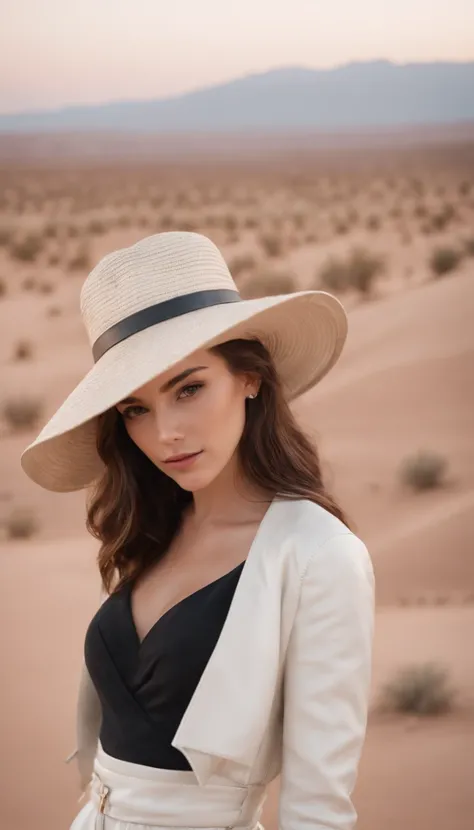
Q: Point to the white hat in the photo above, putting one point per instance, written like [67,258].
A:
[147,307]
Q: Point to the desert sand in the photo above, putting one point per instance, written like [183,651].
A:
[403,384]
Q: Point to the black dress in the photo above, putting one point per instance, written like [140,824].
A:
[144,688]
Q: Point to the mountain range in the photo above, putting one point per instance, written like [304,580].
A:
[354,96]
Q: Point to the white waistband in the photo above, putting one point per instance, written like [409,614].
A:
[171,798]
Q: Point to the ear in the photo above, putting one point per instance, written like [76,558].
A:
[251,384]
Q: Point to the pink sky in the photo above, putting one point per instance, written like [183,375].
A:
[56,52]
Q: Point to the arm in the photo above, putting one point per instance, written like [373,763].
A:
[326,688]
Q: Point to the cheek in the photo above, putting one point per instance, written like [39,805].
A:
[141,434]
[224,420]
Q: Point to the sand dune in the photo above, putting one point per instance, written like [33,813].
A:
[404,383]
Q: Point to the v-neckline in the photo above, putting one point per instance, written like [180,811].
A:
[243,565]
[176,605]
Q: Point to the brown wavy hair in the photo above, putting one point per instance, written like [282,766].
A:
[135,509]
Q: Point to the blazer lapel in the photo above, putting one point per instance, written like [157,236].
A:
[227,714]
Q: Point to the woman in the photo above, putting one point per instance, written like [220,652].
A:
[233,642]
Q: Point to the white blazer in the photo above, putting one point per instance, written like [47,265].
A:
[287,686]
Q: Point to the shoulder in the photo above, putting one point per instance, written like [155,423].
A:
[320,539]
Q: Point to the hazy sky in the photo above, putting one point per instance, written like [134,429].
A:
[55,52]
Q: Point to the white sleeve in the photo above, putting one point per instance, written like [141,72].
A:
[327,687]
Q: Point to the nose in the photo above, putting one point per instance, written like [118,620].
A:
[167,427]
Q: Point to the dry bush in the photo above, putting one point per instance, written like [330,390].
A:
[423,471]
[333,275]
[267,283]
[299,220]
[362,268]
[54,258]
[21,413]
[444,259]
[28,284]
[23,350]
[271,244]
[420,211]
[250,222]
[21,524]
[46,287]
[469,246]
[443,217]
[166,221]
[230,223]
[51,230]
[240,264]
[373,222]
[81,261]
[341,226]
[6,235]
[97,227]
[357,271]
[28,248]
[418,690]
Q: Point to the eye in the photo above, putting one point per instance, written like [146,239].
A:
[128,413]
[192,388]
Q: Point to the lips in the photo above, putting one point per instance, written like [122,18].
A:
[178,458]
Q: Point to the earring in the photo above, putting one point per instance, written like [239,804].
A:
[252,396]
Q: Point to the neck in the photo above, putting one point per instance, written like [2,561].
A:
[229,499]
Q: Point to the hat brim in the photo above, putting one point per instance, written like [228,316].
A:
[304,332]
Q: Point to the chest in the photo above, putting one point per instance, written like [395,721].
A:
[190,563]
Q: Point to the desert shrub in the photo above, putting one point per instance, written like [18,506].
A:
[51,230]
[357,271]
[124,221]
[362,268]
[239,264]
[444,259]
[230,223]
[21,413]
[423,471]
[46,287]
[28,248]
[469,246]
[166,221]
[6,235]
[29,284]
[420,211]
[250,222]
[96,227]
[333,275]
[418,690]
[373,222]
[341,226]
[23,350]
[443,217]
[299,220]
[271,244]
[54,258]
[21,524]
[81,261]
[269,283]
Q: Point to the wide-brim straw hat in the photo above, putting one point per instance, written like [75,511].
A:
[149,306]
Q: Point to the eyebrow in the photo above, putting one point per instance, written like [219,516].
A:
[169,383]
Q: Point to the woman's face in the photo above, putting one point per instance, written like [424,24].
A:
[197,407]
